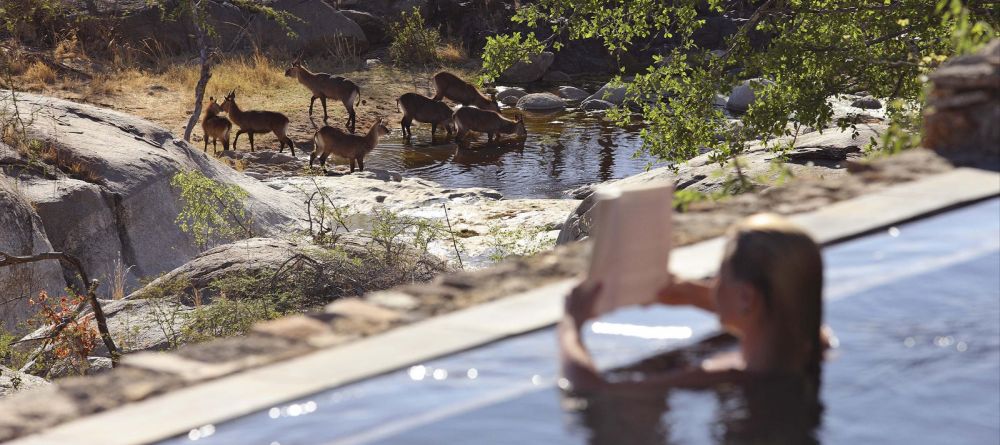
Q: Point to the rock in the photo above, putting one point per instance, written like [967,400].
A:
[12,381]
[610,92]
[556,77]
[541,102]
[814,154]
[528,71]
[124,209]
[476,214]
[510,101]
[374,27]
[372,63]
[573,93]
[867,102]
[742,95]
[515,92]
[317,26]
[23,233]
[596,105]
[964,108]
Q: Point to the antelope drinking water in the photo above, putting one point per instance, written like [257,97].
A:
[489,122]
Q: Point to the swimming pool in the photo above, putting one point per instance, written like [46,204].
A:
[916,310]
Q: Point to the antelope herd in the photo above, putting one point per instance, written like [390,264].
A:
[476,112]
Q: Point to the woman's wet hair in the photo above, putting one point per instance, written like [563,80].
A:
[784,264]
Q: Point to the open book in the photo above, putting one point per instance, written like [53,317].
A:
[631,236]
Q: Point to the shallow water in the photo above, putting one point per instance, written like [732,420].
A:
[915,308]
[563,150]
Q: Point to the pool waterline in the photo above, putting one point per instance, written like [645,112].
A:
[447,389]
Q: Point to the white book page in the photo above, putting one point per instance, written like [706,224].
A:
[631,236]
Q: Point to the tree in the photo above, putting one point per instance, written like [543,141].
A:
[805,50]
[197,11]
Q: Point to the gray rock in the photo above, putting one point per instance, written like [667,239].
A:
[12,381]
[127,210]
[372,63]
[596,105]
[742,95]
[572,93]
[826,150]
[23,233]
[610,92]
[867,102]
[556,77]
[374,27]
[515,92]
[541,102]
[510,101]
[528,71]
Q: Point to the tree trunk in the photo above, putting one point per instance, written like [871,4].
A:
[199,89]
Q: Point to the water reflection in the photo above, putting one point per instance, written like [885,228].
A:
[768,410]
[562,151]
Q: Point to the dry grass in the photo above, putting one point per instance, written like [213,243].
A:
[65,162]
[39,74]
[452,53]
[165,96]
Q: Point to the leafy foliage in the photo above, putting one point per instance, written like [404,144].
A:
[413,42]
[211,210]
[808,50]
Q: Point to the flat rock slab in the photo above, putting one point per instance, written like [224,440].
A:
[572,93]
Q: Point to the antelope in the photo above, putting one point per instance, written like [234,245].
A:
[215,126]
[449,85]
[324,86]
[351,146]
[416,107]
[256,122]
[489,122]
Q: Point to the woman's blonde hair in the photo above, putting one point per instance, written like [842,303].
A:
[784,263]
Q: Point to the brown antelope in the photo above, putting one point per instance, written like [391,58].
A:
[416,107]
[215,126]
[489,122]
[325,86]
[351,146]
[257,122]
[449,85]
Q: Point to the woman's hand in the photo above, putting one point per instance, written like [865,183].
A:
[581,301]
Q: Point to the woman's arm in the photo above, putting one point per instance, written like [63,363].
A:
[697,293]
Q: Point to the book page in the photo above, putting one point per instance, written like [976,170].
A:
[631,236]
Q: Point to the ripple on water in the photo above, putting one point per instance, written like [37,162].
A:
[563,150]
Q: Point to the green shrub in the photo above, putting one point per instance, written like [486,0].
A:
[413,43]
[211,210]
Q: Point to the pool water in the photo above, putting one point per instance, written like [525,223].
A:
[916,310]
[563,151]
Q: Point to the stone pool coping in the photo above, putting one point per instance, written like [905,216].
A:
[303,371]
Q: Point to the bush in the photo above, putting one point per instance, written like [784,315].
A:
[413,43]
[212,210]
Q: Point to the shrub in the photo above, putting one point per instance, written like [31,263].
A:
[413,43]
[211,210]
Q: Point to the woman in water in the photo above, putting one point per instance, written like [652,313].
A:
[768,294]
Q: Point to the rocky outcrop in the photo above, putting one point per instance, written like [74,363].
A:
[964,105]
[22,233]
[815,154]
[122,208]
[867,103]
[541,102]
[12,381]
[528,71]
[556,76]
[482,220]
[375,28]
[315,26]
[509,93]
